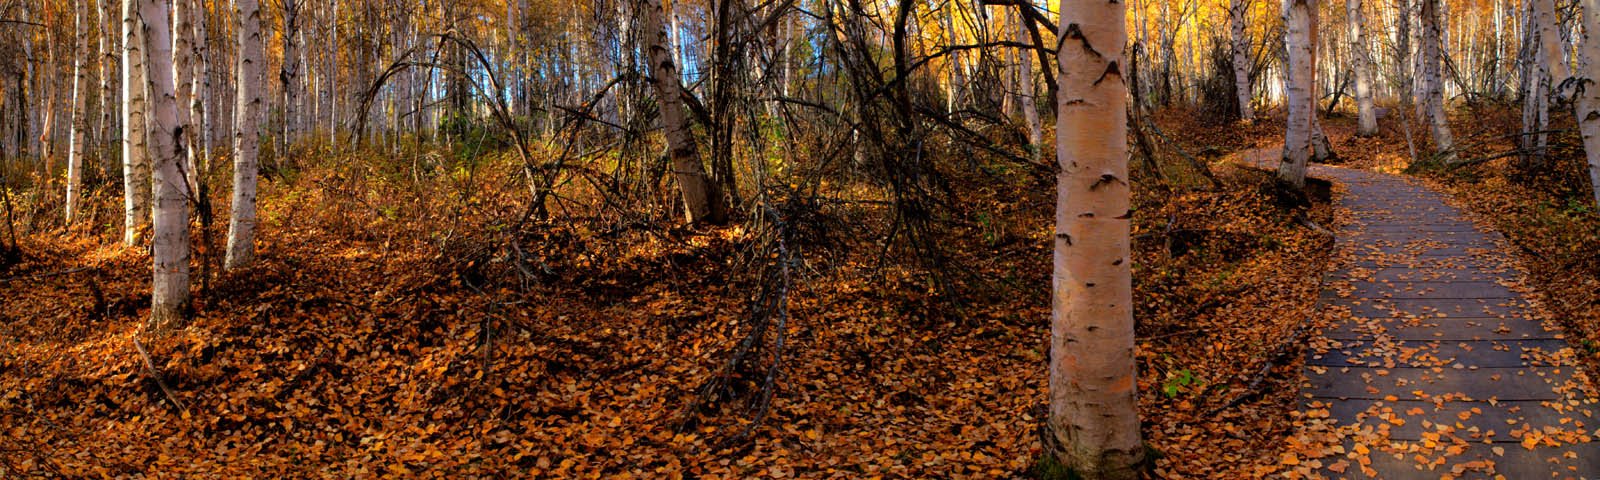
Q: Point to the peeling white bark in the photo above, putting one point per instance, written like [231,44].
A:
[1094,425]
[246,145]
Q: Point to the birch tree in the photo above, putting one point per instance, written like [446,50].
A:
[1238,12]
[1547,71]
[246,148]
[199,114]
[170,240]
[80,109]
[1030,111]
[290,71]
[1093,423]
[1361,63]
[1433,86]
[183,73]
[1588,98]
[108,75]
[702,198]
[135,163]
[1300,73]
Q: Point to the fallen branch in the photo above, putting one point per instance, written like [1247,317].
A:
[1308,223]
[151,367]
[38,276]
[1280,352]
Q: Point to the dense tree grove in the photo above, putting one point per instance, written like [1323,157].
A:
[806,131]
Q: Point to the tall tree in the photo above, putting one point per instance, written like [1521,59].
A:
[199,113]
[80,109]
[1361,60]
[1025,86]
[1300,37]
[289,72]
[1588,101]
[170,240]
[1094,425]
[135,162]
[1545,71]
[246,146]
[108,75]
[1238,13]
[1432,50]
[701,197]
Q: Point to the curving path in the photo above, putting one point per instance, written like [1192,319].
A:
[1432,363]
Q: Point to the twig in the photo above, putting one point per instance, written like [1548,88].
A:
[45,275]
[1314,227]
[151,367]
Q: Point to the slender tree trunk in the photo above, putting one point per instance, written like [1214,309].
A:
[135,162]
[1094,426]
[1237,13]
[1030,110]
[170,241]
[246,145]
[1588,102]
[1361,59]
[80,110]
[1299,36]
[108,65]
[1402,52]
[183,74]
[703,201]
[1550,42]
[289,73]
[1432,51]
[199,115]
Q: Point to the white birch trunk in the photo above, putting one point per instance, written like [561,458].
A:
[1588,103]
[1432,51]
[288,74]
[80,111]
[700,196]
[170,241]
[1030,110]
[1237,14]
[183,76]
[1093,421]
[108,65]
[135,163]
[1550,42]
[1361,59]
[246,145]
[1302,101]
[199,114]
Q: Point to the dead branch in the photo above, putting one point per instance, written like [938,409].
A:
[156,375]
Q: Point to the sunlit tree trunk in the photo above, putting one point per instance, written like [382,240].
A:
[1433,85]
[1550,41]
[246,145]
[701,198]
[1402,56]
[1588,104]
[199,114]
[1361,59]
[183,73]
[170,241]
[1237,14]
[289,73]
[1030,111]
[135,162]
[80,110]
[1299,36]
[108,74]
[1094,426]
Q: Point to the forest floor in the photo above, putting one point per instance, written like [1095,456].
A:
[376,337]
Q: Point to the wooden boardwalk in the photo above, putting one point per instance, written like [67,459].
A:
[1432,365]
